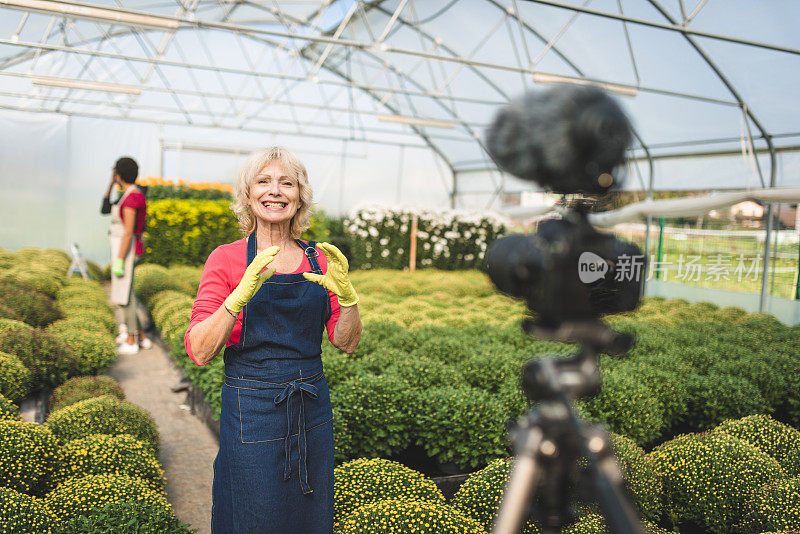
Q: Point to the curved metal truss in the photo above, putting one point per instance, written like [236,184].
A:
[408,73]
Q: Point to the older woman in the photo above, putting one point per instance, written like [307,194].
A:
[267,298]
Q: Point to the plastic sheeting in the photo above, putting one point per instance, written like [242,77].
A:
[53,174]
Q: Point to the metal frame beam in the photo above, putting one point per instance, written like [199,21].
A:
[231,70]
[162,109]
[671,26]
[270,131]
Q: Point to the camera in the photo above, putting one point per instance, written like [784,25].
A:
[568,140]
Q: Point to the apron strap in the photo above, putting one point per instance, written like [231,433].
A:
[310,249]
[251,248]
[296,387]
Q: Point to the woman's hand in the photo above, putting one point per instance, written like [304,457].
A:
[335,279]
[251,280]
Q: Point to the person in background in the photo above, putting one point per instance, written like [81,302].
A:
[128,215]
[267,298]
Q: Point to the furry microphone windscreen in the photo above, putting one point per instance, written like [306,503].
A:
[568,139]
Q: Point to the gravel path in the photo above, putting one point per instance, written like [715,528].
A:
[188,447]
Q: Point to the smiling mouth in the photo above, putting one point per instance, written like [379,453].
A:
[274,205]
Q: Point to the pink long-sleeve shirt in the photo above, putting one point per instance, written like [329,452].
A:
[222,272]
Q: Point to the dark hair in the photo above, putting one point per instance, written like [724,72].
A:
[127,170]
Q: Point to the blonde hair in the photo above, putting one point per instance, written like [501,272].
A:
[294,168]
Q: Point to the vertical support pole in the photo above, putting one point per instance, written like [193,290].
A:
[646,250]
[161,150]
[179,149]
[775,252]
[797,274]
[400,173]
[161,164]
[762,303]
[341,178]
[660,245]
[412,249]
[67,179]
[454,192]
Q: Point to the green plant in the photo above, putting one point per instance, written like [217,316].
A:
[627,406]
[23,514]
[125,518]
[719,397]
[8,410]
[96,351]
[28,456]
[774,506]
[364,481]
[186,231]
[318,231]
[15,378]
[99,454]
[78,287]
[780,441]
[6,312]
[401,516]
[103,415]
[639,473]
[41,277]
[370,417]
[422,372]
[338,365]
[92,319]
[707,477]
[460,425]
[161,192]
[79,495]
[150,280]
[82,305]
[11,324]
[479,497]
[589,524]
[593,523]
[186,277]
[81,388]
[49,359]
[31,306]
[95,271]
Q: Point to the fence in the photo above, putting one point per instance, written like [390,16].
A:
[720,259]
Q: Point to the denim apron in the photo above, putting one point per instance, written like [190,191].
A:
[274,470]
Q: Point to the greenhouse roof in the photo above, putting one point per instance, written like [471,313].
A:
[709,82]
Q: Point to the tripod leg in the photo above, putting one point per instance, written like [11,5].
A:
[524,476]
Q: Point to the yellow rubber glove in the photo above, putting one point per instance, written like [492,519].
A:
[251,280]
[335,279]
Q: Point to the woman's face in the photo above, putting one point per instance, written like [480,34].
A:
[274,195]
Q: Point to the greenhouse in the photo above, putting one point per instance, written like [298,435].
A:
[135,162]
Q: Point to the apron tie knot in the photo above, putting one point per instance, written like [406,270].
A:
[296,387]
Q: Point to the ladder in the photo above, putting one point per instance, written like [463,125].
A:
[78,264]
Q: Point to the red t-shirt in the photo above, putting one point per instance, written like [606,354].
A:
[223,271]
[136,201]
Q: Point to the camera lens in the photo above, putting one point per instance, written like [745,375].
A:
[513,264]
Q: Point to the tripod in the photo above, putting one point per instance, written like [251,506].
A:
[550,439]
